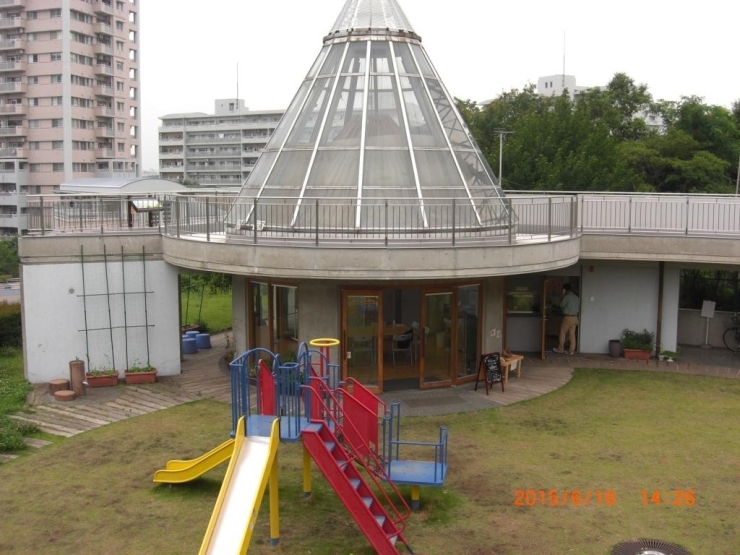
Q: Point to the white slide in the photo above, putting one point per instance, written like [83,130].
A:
[235,513]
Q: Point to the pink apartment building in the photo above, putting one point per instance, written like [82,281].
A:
[69,97]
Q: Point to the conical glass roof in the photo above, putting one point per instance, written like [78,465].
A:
[373,122]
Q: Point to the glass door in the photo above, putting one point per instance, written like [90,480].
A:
[362,342]
[437,331]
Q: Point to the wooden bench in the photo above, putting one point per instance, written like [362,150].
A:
[511,362]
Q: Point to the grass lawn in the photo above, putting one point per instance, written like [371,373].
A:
[215,310]
[621,432]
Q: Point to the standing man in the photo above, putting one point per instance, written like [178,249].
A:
[570,305]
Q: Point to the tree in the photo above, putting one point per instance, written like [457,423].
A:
[9,261]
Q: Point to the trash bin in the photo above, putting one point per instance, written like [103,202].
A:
[615,348]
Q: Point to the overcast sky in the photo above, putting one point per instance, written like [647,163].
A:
[189,55]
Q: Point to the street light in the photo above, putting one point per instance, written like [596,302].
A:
[501,134]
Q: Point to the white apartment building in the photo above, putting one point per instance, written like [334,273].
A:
[214,150]
[69,97]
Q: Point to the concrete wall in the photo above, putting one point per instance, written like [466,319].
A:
[318,313]
[615,297]
[692,328]
[239,319]
[671,291]
[55,317]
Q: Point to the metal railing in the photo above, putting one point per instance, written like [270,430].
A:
[342,222]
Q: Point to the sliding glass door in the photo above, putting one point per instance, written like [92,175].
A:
[438,327]
[362,343]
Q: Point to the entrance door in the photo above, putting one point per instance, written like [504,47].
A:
[435,336]
[362,342]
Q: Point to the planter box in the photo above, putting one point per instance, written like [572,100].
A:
[133,378]
[101,381]
[636,354]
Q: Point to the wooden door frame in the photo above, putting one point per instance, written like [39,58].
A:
[436,289]
[369,292]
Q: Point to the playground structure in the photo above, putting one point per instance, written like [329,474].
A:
[350,434]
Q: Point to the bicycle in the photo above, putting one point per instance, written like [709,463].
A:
[732,334]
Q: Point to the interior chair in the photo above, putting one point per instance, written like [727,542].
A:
[403,344]
[362,346]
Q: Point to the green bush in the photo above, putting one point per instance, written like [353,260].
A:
[643,340]
[12,434]
[10,325]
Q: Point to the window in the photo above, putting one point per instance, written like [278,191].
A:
[57,122]
[56,56]
[132,36]
[56,78]
[121,147]
[34,168]
[33,101]
[57,167]
[132,55]
[119,86]
[132,93]
[133,131]
[119,66]
[132,17]
[33,58]
[119,45]
[34,123]
[132,111]
[57,145]
[120,106]
[119,25]
[33,80]
[32,15]
[33,145]
[132,73]
[31,37]
[56,100]
[55,13]
[120,126]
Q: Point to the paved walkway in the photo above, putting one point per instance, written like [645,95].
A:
[205,376]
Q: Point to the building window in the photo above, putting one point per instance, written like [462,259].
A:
[120,126]
[119,66]
[132,111]
[32,15]
[132,93]
[119,25]
[133,131]
[33,80]
[57,145]
[34,168]
[132,73]
[132,55]
[33,58]
[132,36]
[132,17]
[120,106]
[33,123]
[33,145]
[55,13]
[56,78]
[56,100]
[57,167]
[121,147]
[56,56]
[57,122]
[33,101]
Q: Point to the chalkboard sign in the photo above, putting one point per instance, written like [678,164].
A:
[489,368]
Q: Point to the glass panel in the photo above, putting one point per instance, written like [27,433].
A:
[438,344]
[421,60]
[455,131]
[467,330]
[423,123]
[404,61]
[344,125]
[334,174]
[388,174]
[260,317]
[384,117]
[438,175]
[356,58]
[289,173]
[380,58]
[363,338]
[317,63]
[478,180]
[258,174]
[285,321]
[306,128]
[283,128]
[331,65]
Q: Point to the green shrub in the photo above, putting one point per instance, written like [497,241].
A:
[643,340]
[12,434]
[10,325]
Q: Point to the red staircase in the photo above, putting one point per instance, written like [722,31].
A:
[334,454]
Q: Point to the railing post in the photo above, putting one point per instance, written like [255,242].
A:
[43,232]
[581,201]
[254,221]
[511,209]
[317,222]
[79,212]
[177,217]
[549,219]
[100,214]
[208,222]
[688,207]
[386,222]
[453,221]
[629,216]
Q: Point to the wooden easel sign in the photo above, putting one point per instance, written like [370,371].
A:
[489,368]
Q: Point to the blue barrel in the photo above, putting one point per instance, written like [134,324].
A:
[203,341]
[188,346]
[192,333]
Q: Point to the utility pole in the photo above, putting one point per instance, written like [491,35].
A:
[501,134]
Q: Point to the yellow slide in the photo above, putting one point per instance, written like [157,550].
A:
[178,472]
[235,513]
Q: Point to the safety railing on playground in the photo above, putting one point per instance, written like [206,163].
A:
[332,414]
[392,443]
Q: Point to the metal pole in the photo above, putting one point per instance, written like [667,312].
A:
[737,183]
[500,158]
[125,316]
[208,226]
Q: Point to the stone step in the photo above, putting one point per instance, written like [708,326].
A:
[34,443]
[5,457]
[74,413]
[47,427]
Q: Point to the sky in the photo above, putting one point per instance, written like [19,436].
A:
[480,48]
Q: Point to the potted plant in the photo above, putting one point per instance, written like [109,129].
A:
[637,344]
[668,356]
[140,373]
[104,377]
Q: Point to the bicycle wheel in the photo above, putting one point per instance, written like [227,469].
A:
[732,339]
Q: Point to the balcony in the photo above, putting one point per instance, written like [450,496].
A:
[105,132]
[6,67]
[12,4]
[11,23]
[104,69]
[103,29]
[12,109]
[104,112]
[15,131]
[103,49]
[105,153]
[103,9]
[103,90]
[12,44]
[13,153]
[13,87]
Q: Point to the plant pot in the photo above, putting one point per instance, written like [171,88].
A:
[636,354]
[101,381]
[133,378]
[615,348]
